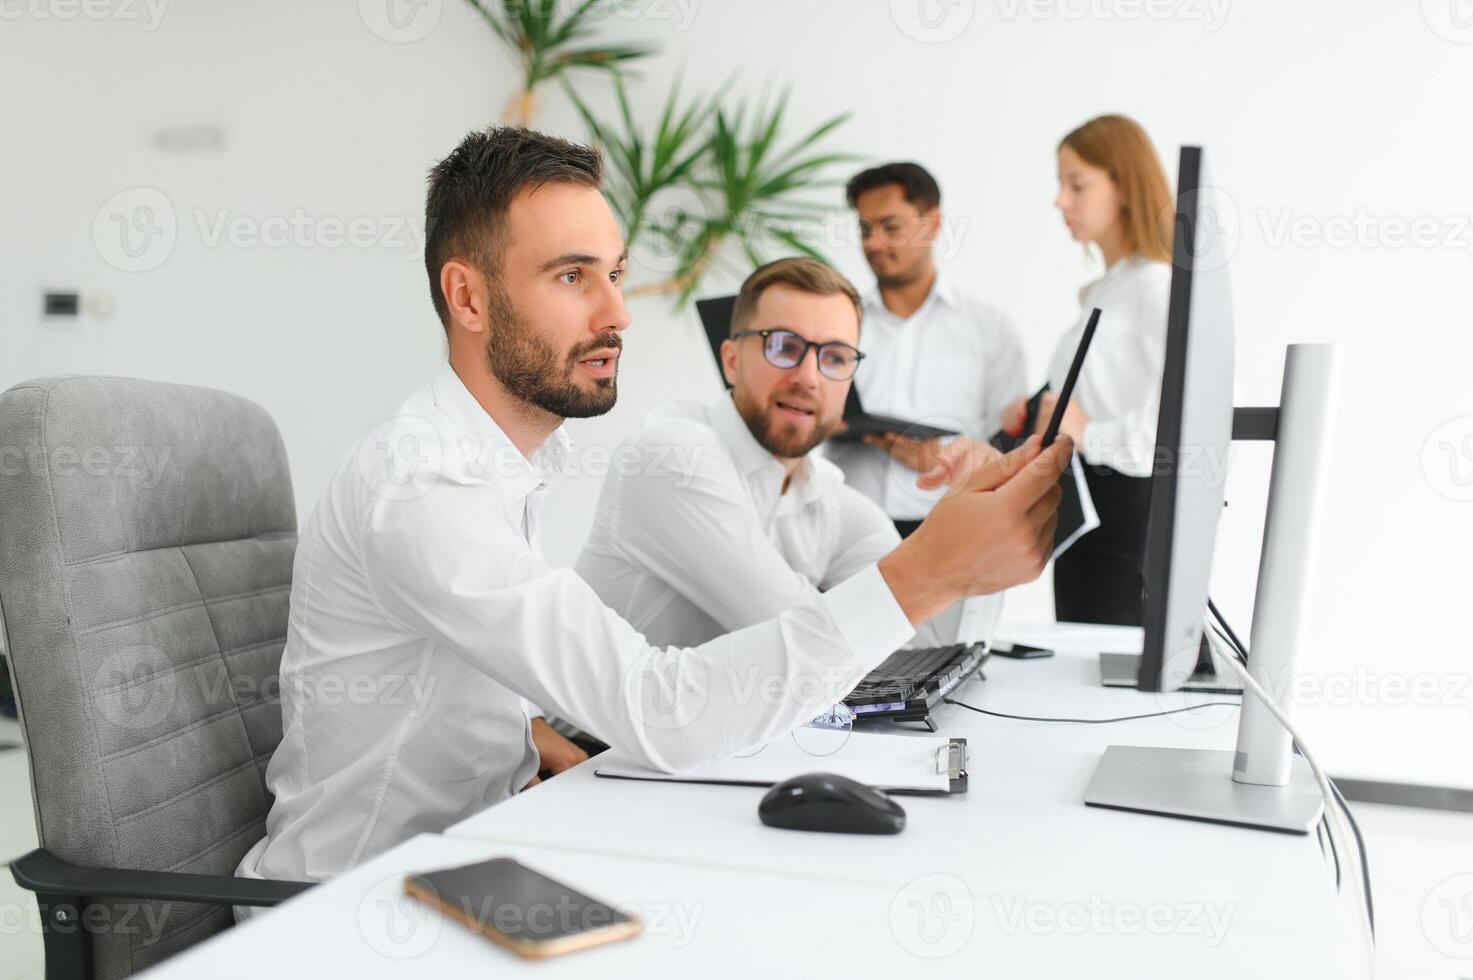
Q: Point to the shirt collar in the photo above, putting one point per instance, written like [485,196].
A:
[811,476]
[941,292]
[481,449]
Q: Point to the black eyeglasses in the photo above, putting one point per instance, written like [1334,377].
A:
[785,349]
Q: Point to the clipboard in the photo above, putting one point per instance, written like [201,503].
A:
[941,767]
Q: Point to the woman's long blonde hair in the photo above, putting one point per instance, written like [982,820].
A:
[1120,147]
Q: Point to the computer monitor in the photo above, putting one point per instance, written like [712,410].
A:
[1259,784]
[1194,429]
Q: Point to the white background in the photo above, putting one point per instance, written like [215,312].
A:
[1331,127]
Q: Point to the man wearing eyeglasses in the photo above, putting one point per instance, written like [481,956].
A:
[727,517]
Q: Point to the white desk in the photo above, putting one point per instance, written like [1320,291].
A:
[1015,879]
[1021,833]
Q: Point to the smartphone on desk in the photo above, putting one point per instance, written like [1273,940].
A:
[1020,651]
[523,910]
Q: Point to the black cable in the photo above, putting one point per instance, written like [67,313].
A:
[1365,864]
[1360,841]
[1334,851]
[1232,638]
[1090,721]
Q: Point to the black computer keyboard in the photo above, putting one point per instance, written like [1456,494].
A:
[914,673]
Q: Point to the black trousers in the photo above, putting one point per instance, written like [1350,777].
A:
[1099,579]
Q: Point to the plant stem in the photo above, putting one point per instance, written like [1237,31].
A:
[519,108]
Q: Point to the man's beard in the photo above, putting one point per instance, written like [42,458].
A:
[904,277]
[527,366]
[777,436]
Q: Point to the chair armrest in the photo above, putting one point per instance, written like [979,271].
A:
[43,872]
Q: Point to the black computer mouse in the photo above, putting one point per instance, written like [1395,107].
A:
[836,804]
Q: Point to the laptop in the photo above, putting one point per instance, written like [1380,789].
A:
[715,316]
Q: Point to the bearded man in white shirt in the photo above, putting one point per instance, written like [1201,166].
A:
[936,354]
[741,519]
[423,617]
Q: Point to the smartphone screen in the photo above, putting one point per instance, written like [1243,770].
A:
[521,909]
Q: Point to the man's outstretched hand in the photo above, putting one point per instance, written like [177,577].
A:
[996,530]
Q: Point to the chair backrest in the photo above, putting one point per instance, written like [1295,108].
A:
[146,540]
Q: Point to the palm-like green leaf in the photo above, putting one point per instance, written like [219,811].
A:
[642,166]
[755,183]
[546,44]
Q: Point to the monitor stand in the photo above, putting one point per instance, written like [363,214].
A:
[1262,783]
[1123,670]
[1198,784]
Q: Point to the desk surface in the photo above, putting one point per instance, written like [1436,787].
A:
[1016,877]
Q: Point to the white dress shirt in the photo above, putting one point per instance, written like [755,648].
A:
[709,542]
[1119,387]
[423,613]
[955,363]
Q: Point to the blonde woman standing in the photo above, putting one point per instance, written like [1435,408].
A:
[1113,196]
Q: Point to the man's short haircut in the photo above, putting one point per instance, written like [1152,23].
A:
[801,273]
[471,191]
[915,181]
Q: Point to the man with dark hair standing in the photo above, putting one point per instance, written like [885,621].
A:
[422,611]
[934,353]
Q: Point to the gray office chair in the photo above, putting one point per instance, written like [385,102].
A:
[146,541]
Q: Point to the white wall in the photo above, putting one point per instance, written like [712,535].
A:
[1316,114]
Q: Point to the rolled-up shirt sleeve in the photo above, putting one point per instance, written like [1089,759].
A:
[544,634]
